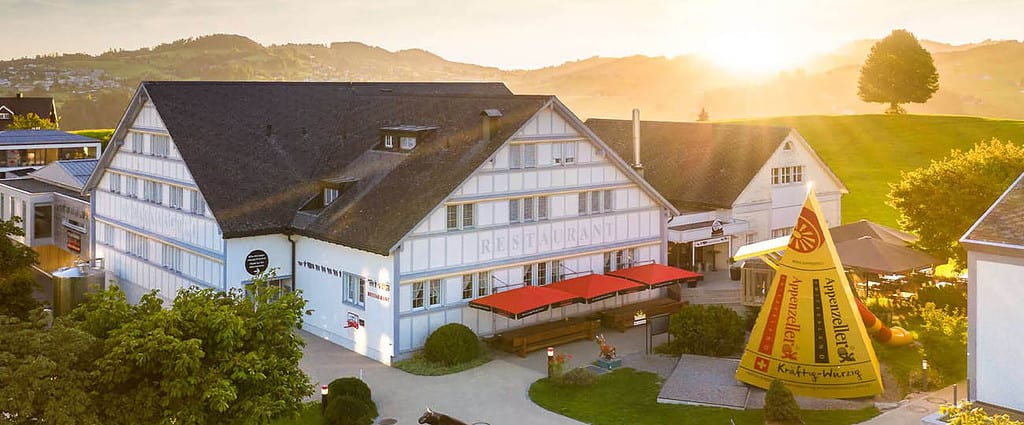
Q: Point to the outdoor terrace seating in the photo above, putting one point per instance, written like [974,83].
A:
[621,318]
[537,337]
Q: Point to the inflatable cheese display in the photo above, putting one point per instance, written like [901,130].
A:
[809,333]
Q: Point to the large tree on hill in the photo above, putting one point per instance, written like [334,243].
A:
[898,70]
[941,201]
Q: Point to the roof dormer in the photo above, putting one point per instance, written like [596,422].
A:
[403,138]
[330,191]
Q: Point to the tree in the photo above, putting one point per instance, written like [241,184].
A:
[898,70]
[16,281]
[214,357]
[941,201]
[779,405]
[30,121]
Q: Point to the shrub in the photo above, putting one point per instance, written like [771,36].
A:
[578,377]
[949,296]
[779,405]
[452,344]
[750,318]
[706,330]
[349,410]
[916,380]
[943,338]
[354,388]
[965,413]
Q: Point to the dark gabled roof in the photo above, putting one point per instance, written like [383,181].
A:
[1003,223]
[31,185]
[42,106]
[696,166]
[41,137]
[256,183]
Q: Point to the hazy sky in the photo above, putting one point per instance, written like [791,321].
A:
[509,34]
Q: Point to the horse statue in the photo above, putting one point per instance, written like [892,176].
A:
[434,418]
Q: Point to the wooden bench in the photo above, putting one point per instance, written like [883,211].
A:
[621,318]
[532,338]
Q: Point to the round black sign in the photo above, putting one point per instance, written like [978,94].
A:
[256,262]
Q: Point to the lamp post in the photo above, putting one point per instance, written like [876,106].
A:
[924,373]
[551,362]
[323,399]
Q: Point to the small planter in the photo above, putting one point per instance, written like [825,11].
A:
[609,364]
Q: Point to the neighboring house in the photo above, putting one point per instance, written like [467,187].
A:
[21,105]
[995,294]
[390,205]
[733,184]
[26,150]
[54,212]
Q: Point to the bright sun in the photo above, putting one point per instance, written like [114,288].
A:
[750,53]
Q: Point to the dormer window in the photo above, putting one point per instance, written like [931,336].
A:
[389,141]
[5,116]
[330,194]
[407,143]
[407,136]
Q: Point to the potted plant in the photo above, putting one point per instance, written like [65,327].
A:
[606,359]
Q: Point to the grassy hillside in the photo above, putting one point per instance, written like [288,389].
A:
[868,152]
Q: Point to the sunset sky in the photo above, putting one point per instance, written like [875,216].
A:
[511,34]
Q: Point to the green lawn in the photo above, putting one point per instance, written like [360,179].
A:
[627,396]
[868,152]
[310,415]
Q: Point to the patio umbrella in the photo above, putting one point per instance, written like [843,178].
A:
[875,256]
[859,229]
[596,287]
[656,275]
[525,301]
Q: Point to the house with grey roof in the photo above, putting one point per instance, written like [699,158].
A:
[995,293]
[733,184]
[27,150]
[391,206]
[54,214]
[21,105]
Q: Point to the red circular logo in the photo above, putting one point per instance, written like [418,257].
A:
[807,235]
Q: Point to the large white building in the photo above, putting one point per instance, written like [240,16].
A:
[995,294]
[390,205]
[733,184]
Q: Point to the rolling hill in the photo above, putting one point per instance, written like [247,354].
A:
[985,79]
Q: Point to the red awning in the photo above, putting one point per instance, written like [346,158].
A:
[521,302]
[596,287]
[657,275]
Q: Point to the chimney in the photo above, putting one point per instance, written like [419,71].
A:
[491,120]
[637,166]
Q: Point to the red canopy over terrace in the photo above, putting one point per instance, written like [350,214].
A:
[657,275]
[521,302]
[596,287]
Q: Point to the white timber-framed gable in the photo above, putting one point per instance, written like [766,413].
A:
[152,226]
[552,201]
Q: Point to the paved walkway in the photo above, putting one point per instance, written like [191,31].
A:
[917,406]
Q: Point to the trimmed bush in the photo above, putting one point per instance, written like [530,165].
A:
[779,405]
[452,344]
[349,410]
[706,330]
[750,318]
[352,387]
[578,377]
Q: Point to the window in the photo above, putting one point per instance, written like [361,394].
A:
[160,146]
[136,245]
[563,153]
[619,259]
[330,195]
[784,231]
[751,237]
[787,175]
[557,274]
[137,142]
[596,202]
[114,183]
[435,292]
[522,156]
[175,197]
[787,146]
[528,275]
[389,141]
[460,216]
[353,289]
[467,286]
[108,234]
[407,143]
[131,187]
[152,192]
[170,257]
[542,273]
[417,295]
[198,203]
[483,285]
[5,116]
[525,210]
